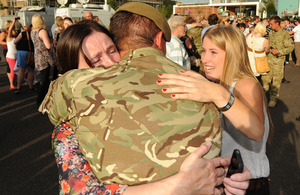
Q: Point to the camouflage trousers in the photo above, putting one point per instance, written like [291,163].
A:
[272,80]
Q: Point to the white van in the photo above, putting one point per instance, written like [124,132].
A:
[27,12]
[76,11]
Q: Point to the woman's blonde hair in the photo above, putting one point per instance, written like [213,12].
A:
[260,28]
[37,22]
[7,24]
[232,41]
[236,66]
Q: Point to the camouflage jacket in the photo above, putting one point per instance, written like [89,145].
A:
[282,42]
[129,131]
[195,33]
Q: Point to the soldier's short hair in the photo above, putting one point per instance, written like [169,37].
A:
[132,31]
[276,19]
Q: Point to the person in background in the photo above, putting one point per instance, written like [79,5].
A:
[175,48]
[296,32]
[258,44]
[256,20]
[288,28]
[59,22]
[225,21]
[43,55]
[230,84]
[251,31]
[56,35]
[3,36]
[67,22]
[194,50]
[280,45]
[212,21]
[54,26]
[141,60]
[23,50]
[88,15]
[11,55]
[268,28]
[241,26]
[247,28]
[18,26]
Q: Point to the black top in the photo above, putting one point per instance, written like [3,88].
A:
[23,43]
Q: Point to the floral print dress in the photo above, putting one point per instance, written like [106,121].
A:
[75,173]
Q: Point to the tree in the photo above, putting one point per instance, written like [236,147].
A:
[35,2]
[269,7]
[167,8]
[113,4]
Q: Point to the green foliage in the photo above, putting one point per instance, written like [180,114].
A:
[113,4]
[167,8]
[70,2]
[35,3]
[269,7]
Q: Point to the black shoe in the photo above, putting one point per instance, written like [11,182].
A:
[298,118]
[17,91]
[31,90]
[285,81]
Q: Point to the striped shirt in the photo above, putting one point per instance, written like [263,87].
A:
[177,53]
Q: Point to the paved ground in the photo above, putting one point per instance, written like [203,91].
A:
[28,166]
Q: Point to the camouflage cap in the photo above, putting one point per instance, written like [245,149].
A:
[151,13]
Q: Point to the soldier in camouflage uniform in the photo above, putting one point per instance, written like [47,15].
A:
[195,34]
[281,44]
[129,131]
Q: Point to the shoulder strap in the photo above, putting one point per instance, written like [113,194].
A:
[28,40]
[252,41]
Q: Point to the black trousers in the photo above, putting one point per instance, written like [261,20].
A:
[262,191]
[43,85]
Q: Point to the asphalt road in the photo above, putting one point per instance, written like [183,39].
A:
[27,161]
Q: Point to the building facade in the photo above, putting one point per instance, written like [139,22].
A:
[240,8]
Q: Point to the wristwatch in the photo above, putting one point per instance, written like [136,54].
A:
[228,104]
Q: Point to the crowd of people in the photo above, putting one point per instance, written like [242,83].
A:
[273,37]
[129,115]
[18,42]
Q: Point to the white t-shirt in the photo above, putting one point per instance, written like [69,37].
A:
[296,31]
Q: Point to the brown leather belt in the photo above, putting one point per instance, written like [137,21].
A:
[257,184]
[249,49]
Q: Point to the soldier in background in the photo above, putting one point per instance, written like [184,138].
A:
[280,45]
[192,42]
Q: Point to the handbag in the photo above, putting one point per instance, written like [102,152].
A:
[261,63]
[30,57]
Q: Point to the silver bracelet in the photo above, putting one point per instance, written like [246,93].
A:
[228,104]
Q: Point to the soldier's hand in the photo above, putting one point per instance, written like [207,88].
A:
[274,51]
[198,175]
